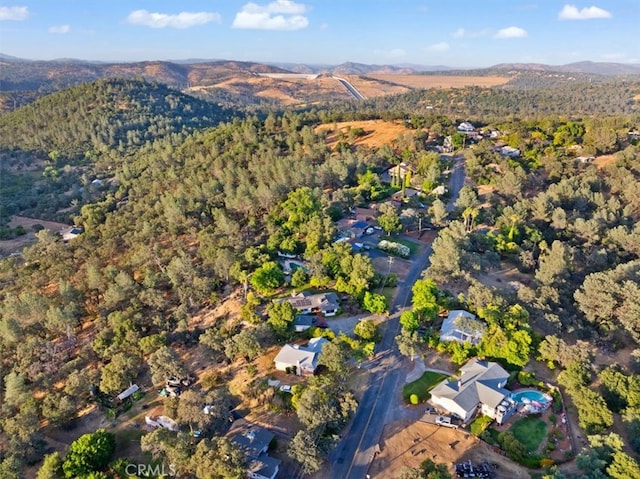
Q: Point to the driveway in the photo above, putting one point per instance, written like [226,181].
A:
[346,324]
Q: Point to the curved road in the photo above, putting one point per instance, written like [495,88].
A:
[353,455]
[350,88]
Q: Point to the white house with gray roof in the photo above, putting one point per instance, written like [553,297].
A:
[254,442]
[303,358]
[305,303]
[481,386]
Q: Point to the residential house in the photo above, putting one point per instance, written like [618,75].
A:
[71,233]
[585,159]
[479,388]
[305,303]
[304,322]
[254,442]
[364,214]
[127,392]
[408,193]
[509,151]
[263,467]
[161,421]
[303,358]
[393,171]
[462,326]
[466,127]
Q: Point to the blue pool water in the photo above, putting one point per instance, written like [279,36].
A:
[530,395]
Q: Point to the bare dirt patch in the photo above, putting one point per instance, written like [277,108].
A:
[400,267]
[372,88]
[507,278]
[289,91]
[8,247]
[407,444]
[377,132]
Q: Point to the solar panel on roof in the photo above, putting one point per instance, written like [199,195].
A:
[302,303]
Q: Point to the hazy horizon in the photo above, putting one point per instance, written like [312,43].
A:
[328,32]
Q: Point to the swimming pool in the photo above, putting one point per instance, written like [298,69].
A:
[531,396]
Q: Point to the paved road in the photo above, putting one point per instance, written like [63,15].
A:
[353,455]
[350,88]
[456,181]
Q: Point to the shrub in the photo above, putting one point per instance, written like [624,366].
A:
[529,379]
[136,396]
[414,399]
[394,248]
[479,425]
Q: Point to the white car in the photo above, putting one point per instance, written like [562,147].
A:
[445,421]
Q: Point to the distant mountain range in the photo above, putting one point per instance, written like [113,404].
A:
[593,68]
[348,68]
[232,83]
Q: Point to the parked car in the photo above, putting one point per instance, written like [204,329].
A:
[446,422]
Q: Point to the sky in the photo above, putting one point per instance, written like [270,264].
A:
[462,33]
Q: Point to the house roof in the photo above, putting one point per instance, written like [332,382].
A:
[479,383]
[305,357]
[304,300]
[296,356]
[465,126]
[454,330]
[128,392]
[305,320]
[316,344]
[253,441]
[360,225]
[264,465]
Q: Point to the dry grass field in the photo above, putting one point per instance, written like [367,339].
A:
[8,247]
[286,91]
[407,445]
[377,132]
[604,160]
[296,91]
[441,81]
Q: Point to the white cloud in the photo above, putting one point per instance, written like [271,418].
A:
[391,54]
[60,29]
[511,32]
[14,13]
[438,47]
[163,20]
[277,15]
[571,12]
[463,33]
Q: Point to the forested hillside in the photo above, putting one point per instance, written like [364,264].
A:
[189,215]
[52,149]
[105,114]
[196,205]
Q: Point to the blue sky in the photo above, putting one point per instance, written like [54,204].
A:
[464,33]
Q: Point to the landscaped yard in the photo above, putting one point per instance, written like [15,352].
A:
[479,424]
[421,386]
[413,247]
[530,431]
